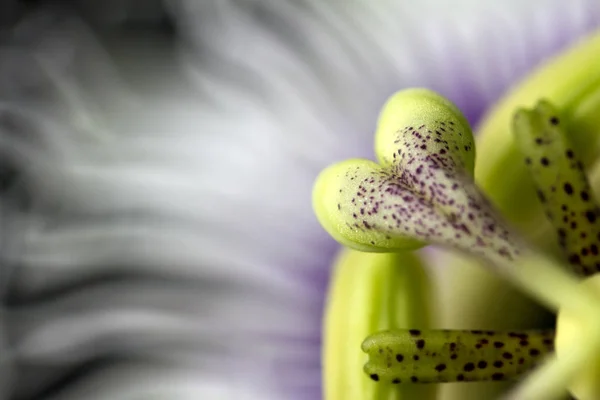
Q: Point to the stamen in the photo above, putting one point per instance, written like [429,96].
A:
[562,186]
[415,356]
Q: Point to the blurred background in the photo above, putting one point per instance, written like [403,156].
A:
[156,163]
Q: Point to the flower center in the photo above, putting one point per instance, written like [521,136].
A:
[422,192]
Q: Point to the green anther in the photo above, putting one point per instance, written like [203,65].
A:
[571,81]
[415,356]
[561,183]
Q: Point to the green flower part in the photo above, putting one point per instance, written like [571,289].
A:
[569,329]
[570,81]
[566,196]
[423,190]
[561,183]
[371,292]
[453,355]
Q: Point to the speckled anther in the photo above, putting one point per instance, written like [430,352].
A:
[413,356]
[422,189]
[561,184]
